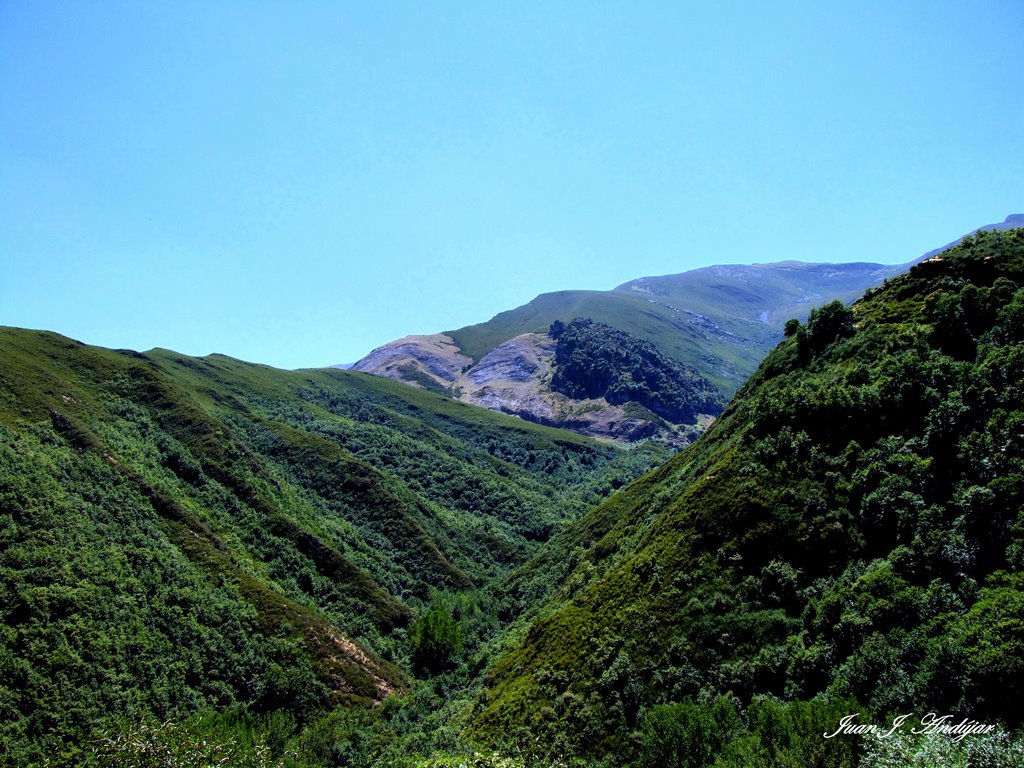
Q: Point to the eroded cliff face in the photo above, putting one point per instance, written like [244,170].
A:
[515,378]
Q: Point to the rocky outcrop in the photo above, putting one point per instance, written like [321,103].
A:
[515,378]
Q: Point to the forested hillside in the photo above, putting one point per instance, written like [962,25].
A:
[246,551]
[595,360]
[847,538]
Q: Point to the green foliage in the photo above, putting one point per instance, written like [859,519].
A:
[476,760]
[904,749]
[825,325]
[687,734]
[767,733]
[596,360]
[169,745]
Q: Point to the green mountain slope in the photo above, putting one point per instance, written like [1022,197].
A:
[1013,221]
[847,538]
[180,535]
[721,320]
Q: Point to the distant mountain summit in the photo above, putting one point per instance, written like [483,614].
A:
[719,321]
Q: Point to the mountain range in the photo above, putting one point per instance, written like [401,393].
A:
[719,321]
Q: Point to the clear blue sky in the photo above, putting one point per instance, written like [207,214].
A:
[295,183]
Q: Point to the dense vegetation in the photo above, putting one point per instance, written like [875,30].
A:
[206,562]
[251,554]
[847,538]
[595,360]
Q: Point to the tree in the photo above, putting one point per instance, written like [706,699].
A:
[436,640]
[825,325]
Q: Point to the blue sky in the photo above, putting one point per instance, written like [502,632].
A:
[295,183]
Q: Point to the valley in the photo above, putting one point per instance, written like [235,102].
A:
[511,385]
[229,563]
[208,534]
